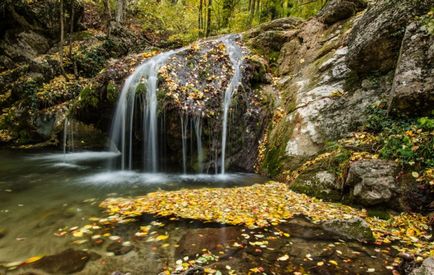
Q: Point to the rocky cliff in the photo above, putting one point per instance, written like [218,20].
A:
[339,79]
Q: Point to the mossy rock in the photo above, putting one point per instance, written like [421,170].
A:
[355,229]
[319,184]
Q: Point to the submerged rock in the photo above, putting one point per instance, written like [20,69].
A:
[119,249]
[373,181]
[3,232]
[68,261]
[413,85]
[206,238]
[353,229]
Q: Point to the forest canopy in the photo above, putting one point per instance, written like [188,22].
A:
[187,20]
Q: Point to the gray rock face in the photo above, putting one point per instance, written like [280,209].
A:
[338,10]
[271,36]
[375,40]
[413,85]
[427,268]
[373,181]
[353,229]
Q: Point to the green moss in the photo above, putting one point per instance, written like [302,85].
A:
[88,97]
[275,157]
[112,92]
[379,213]
[316,189]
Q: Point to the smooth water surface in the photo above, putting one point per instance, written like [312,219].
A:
[43,192]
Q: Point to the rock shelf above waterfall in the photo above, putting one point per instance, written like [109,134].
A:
[205,94]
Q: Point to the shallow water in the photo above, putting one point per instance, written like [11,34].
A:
[42,192]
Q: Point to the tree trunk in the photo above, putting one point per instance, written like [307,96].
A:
[252,11]
[200,18]
[120,11]
[107,17]
[71,28]
[208,19]
[62,39]
[227,12]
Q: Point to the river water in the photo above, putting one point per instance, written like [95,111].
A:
[42,194]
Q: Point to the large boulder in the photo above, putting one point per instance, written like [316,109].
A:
[375,40]
[269,38]
[193,83]
[338,10]
[373,182]
[413,85]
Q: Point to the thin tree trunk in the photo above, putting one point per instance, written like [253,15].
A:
[62,39]
[71,28]
[208,19]
[71,31]
[258,2]
[119,11]
[252,11]
[200,18]
[107,17]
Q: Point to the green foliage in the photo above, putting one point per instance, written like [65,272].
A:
[91,61]
[428,21]
[88,97]
[179,20]
[408,140]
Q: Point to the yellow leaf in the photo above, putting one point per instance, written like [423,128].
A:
[33,259]
[162,237]
[333,262]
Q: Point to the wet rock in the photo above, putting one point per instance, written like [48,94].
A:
[413,85]
[119,249]
[193,82]
[68,261]
[373,182]
[375,40]
[191,271]
[427,267]
[338,10]
[69,212]
[300,227]
[353,229]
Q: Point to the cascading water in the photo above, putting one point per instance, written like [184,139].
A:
[122,126]
[236,56]
[68,136]
[143,83]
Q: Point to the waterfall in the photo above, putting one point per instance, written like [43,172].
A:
[145,74]
[68,136]
[235,55]
[143,83]
[184,127]
[198,134]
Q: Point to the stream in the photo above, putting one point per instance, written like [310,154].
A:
[41,193]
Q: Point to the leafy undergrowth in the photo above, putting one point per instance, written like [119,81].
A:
[408,141]
[269,204]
